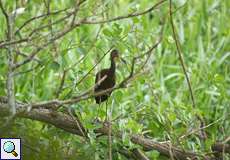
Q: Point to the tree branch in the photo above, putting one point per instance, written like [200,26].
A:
[126,16]
[10,74]
[67,123]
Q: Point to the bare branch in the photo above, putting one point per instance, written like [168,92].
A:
[7,43]
[73,25]
[27,71]
[38,17]
[25,56]
[126,16]
[38,49]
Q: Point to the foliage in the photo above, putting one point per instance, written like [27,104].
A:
[156,103]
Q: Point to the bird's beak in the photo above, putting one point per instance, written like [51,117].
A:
[120,59]
[123,60]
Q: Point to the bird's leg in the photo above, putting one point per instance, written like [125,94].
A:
[96,120]
[108,122]
[106,110]
[98,109]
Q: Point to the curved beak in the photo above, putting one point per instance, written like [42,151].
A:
[123,60]
[120,59]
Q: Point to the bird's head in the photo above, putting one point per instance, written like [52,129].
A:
[115,56]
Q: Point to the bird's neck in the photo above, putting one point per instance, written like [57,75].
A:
[113,66]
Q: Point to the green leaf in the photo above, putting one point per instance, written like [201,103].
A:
[135,20]
[54,65]
[107,32]
[154,154]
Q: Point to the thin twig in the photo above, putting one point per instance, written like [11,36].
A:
[38,49]
[126,16]
[38,17]
[81,22]
[74,116]
[93,67]
[3,44]
[26,56]
[202,123]
[61,84]
[180,55]
[27,71]
[199,129]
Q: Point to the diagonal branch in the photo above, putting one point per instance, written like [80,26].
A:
[180,56]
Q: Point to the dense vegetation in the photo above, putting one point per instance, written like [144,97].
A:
[51,51]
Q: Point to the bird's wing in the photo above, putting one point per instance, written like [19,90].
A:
[99,76]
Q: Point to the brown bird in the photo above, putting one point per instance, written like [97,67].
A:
[108,76]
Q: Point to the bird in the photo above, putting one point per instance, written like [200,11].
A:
[107,77]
